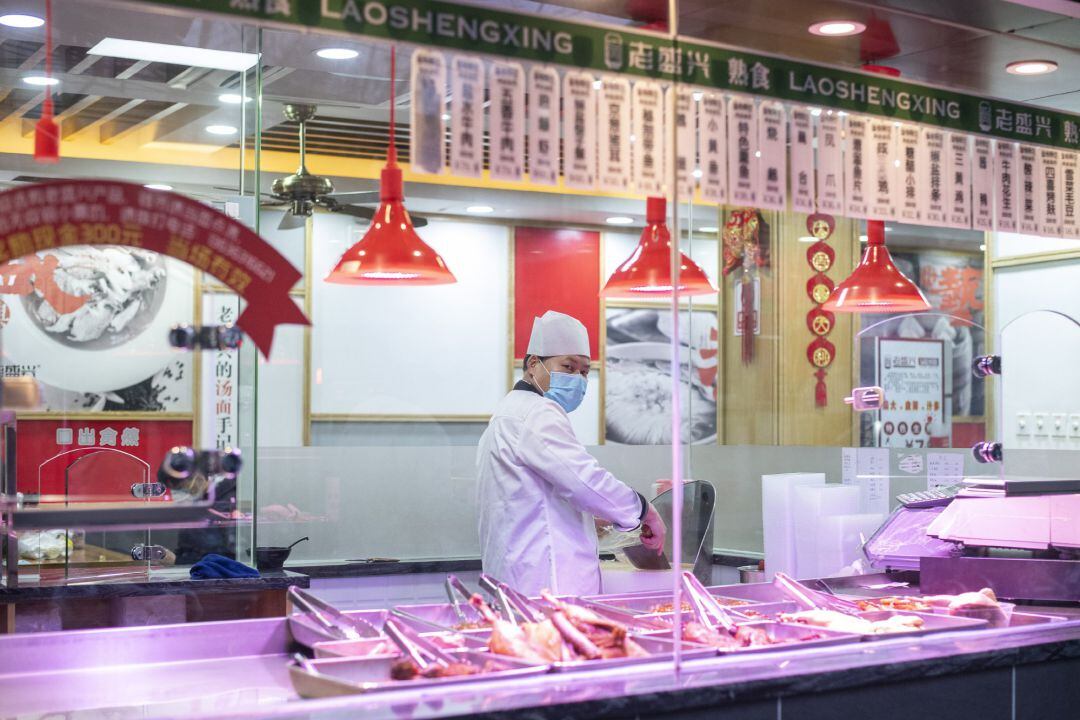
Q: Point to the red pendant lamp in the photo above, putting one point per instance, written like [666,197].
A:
[647,272]
[876,285]
[46,131]
[391,253]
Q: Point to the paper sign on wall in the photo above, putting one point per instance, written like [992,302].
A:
[685,152]
[982,185]
[507,122]
[909,209]
[1027,221]
[579,130]
[712,144]
[772,165]
[856,202]
[802,160]
[943,469]
[613,166]
[934,183]
[1005,170]
[1048,192]
[1070,213]
[872,476]
[830,165]
[428,135]
[881,170]
[742,146]
[958,207]
[466,116]
[543,125]
[649,138]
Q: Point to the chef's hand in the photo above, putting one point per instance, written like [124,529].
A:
[653,531]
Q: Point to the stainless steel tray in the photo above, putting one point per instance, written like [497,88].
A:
[352,676]
[764,611]
[660,649]
[647,604]
[789,637]
[385,646]
[754,592]
[307,632]
[429,616]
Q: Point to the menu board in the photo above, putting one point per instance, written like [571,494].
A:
[579,130]
[712,144]
[506,125]
[614,132]
[543,99]
[830,170]
[467,116]
[802,160]
[855,167]
[742,151]
[912,374]
[649,138]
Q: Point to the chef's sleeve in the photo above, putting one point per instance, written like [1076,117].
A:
[550,448]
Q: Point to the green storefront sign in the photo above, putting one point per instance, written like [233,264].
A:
[609,49]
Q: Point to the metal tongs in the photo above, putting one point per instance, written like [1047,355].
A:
[336,623]
[510,600]
[705,607]
[810,599]
[420,650]
[454,588]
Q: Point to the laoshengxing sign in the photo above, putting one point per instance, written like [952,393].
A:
[611,49]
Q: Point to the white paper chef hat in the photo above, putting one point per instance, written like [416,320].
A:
[558,334]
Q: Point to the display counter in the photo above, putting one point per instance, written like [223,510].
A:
[240,668]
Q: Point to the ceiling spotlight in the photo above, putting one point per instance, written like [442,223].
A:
[40,80]
[982,248]
[220,129]
[836,28]
[816,112]
[708,229]
[619,220]
[233,99]
[446,117]
[336,53]
[479,209]
[757,153]
[157,186]
[697,172]
[15,20]
[863,238]
[1031,67]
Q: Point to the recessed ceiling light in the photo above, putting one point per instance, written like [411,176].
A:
[157,186]
[841,113]
[836,28]
[15,20]
[175,54]
[220,129]
[333,53]
[1031,67]
[479,209]
[982,247]
[233,98]
[39,80]
[708,229]
[816,112]
[757,153]
[807,239]
[619,220]
[445,116]
[697,172]
[863,238]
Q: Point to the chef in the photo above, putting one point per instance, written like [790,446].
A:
[539,490]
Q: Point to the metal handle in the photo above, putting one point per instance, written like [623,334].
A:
[351,627]
[705,605]
[453,587]
[302,600]
[419,649]
[148,552]
[181,463]
[988,452]
[491,585]
[147,490]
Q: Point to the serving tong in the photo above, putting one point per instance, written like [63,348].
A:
[810,599]
[336,623]
[454,588]
[420,650]
[705,607]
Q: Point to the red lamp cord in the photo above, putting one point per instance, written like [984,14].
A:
[392,155]
[48,53]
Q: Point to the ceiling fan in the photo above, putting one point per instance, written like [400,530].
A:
[301,192]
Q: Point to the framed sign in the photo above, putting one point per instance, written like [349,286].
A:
[912,373]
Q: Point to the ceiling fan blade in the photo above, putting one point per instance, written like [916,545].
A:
[356,196]
[291,222]
[354,210]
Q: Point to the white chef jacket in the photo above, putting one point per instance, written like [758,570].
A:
[538,491]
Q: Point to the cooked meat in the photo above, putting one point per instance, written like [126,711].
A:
[752,636]
[832,620]
[534,644]
[450,670]
[591,634]
[404,669]
[894,603]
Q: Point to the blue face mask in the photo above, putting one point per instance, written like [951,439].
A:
[566,389]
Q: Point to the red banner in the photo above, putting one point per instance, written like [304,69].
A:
[104,212]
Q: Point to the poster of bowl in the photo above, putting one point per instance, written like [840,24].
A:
[90,325]
[637,398]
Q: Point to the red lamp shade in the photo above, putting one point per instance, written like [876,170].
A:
[391,253]
[876,285]
[647,272]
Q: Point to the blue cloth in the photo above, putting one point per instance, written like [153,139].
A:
[213,566]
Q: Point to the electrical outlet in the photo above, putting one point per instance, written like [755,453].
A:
[1058,425]
[1074,426]
[1039,424]
[1023,423]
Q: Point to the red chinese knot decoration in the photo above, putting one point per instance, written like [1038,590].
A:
[819,321]
[744,248]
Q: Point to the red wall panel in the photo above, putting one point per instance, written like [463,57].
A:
[559,270]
